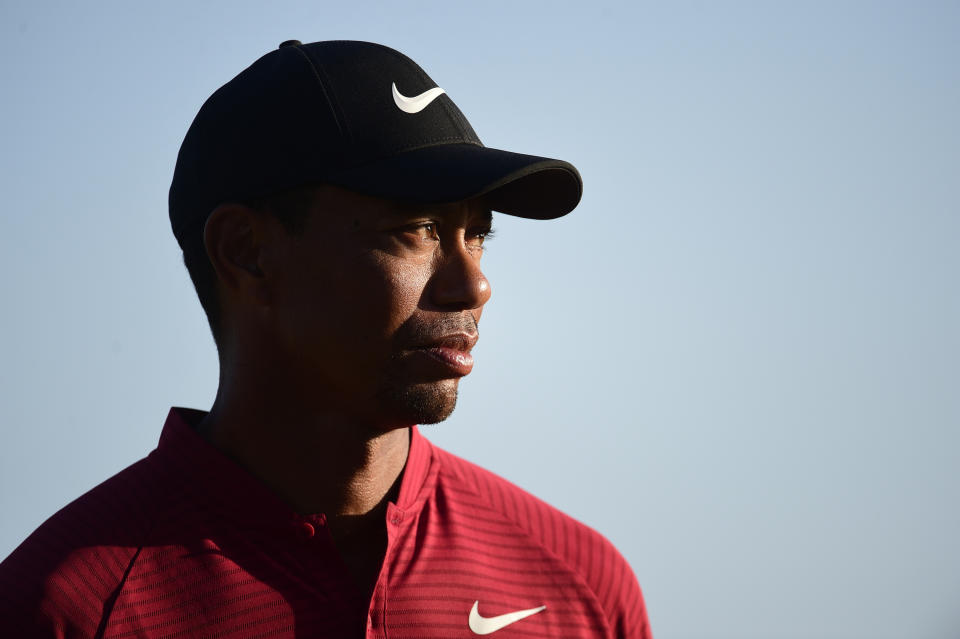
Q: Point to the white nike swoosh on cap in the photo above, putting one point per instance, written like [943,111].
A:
[485,625]
[417,103]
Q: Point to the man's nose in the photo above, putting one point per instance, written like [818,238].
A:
[458,283]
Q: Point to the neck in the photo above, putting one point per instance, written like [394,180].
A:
[316,461]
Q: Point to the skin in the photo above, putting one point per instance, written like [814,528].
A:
[337,340]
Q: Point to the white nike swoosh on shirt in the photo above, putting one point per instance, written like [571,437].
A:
[485,625]
[417,103]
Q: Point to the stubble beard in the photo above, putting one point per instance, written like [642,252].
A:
[408,400]
[422,403]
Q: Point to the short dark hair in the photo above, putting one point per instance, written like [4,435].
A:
[290,207]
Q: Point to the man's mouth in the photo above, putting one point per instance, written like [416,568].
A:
[451,351]
[456,361]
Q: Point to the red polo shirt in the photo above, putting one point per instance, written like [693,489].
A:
[185,543]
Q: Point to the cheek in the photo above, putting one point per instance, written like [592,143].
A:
[341,312]
[369,298]
[388,290]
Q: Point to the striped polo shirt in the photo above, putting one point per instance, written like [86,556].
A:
[185,543]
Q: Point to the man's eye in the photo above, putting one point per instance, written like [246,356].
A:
[478,236]
[424,231]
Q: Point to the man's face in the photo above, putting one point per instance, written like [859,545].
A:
[377,305]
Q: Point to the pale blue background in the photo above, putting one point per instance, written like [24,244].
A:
[739,359]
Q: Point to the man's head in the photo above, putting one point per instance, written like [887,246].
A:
[370,306]
[331,202]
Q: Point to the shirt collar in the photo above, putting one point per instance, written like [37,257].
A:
[218,483]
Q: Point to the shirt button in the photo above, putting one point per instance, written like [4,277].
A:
[307,530]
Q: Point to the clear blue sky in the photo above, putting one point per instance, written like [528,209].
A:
[739,359]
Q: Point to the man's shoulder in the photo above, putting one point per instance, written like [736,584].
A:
[123,504]
[507,515]
[70,565]
[488,492]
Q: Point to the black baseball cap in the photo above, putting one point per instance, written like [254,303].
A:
[357,115]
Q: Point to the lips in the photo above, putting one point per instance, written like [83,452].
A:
[458,362]
[451,352]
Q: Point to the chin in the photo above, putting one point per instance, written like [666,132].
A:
[428,403]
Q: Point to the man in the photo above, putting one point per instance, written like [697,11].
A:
[332,204]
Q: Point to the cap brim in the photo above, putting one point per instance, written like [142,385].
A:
[513,183]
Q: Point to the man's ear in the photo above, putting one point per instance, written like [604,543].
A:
[234,237]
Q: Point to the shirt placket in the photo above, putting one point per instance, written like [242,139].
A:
[318,564]
[396,520]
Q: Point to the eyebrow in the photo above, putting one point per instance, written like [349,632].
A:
[411,208]
[487,216]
